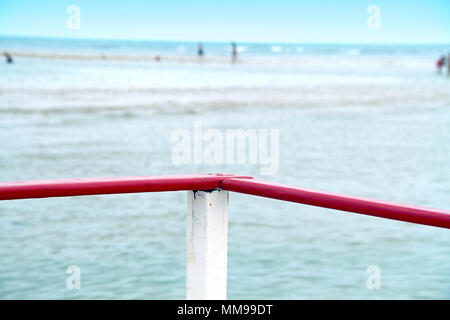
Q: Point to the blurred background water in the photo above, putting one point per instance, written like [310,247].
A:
[371,121]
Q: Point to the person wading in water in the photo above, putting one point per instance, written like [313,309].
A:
[200,50]
[8,57]
[233,52]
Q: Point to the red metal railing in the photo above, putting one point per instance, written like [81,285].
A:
[241,184]
[91,186]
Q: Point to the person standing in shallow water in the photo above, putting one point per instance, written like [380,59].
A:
[233,52]
[200,50]
[440,64]
[8,57]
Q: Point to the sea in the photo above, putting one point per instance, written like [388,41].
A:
[364,120]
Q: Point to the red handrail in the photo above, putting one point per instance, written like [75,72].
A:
[92,186]
[242,184]
[382,209]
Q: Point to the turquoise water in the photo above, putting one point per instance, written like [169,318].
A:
[368,124]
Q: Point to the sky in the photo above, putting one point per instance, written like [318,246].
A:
[276,21]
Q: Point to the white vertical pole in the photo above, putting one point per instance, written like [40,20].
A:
[207,236]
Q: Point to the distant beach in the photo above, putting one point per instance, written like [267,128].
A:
[52,74]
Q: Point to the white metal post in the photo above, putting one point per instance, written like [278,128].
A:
[207,237]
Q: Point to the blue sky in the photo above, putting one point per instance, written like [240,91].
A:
[320,21]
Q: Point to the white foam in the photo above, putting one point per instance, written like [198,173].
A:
[354,52]
[276,48]
[241,49]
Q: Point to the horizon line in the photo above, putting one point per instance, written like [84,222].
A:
[219,41]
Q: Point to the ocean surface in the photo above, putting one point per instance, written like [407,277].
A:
[365,120]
